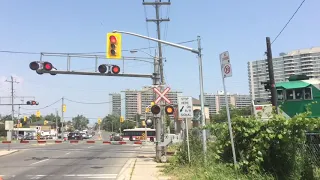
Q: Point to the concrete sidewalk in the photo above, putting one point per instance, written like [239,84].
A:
[6,152]
[143,167]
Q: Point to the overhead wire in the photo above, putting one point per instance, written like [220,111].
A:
[43,107]
[288,22]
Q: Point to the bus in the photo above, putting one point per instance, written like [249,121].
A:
[138,134]
[293,97]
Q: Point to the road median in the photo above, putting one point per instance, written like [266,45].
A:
[6,152]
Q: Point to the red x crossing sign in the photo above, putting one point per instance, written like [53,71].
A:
[162,95]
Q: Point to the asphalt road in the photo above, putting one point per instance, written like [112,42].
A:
[66,161]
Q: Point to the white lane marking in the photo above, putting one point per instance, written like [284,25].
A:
[90,146]
[39,162]
[68,153]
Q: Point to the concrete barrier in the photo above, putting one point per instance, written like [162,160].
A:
[6,142]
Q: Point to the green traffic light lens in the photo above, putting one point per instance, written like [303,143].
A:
[113,52]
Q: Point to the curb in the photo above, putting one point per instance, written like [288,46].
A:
[125,172]
[11,152]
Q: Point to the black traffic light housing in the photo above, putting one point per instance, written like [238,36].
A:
[155,109]
[47,66]
[32,103]
[106,68]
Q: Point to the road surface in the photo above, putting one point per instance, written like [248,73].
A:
[66,161]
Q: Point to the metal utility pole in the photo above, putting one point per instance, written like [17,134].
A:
[57,124]
[62,119]
[271,75]
[158,20]
[12,97]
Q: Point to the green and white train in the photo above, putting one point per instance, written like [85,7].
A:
[293,97]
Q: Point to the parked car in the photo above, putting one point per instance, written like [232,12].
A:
[116,137]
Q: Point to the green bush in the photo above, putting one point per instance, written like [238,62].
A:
[274,146]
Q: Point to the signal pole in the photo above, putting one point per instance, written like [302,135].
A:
[271,75]
[62,119]
[12,96]
[158,20]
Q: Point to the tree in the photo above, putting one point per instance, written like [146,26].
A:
[222,116]
[112,123]
[80,122]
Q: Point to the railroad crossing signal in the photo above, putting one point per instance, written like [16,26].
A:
[38,114]
[64,108]
[32,103]
[99,120]
[169,109]
[121,119]
[107,68]
[155,109]
[162,95]
[114,46]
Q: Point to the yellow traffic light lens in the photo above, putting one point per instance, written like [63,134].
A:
[169,109]
[113,46]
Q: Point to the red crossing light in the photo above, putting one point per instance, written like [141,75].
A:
[102,68]
[34,65]
[155,109]
[115,69]
[47,66]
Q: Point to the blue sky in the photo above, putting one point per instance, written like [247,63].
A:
[81,26]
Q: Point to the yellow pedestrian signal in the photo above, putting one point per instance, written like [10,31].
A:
[121,119]
[99,120]
[64,108]
[24,118]
[38,114]
[114,46]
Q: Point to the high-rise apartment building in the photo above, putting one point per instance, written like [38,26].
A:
[136,101]
[303,61]
[115,103]
[216,101]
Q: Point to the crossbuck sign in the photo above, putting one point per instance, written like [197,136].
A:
[162,95]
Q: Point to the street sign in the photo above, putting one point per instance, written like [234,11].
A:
[38,128]
[226,69]
[185,107]
[162,95]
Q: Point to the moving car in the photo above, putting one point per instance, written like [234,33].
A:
[116,137]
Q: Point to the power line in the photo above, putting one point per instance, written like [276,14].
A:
[44,106]
[288,21]
[79,102]
[24,52]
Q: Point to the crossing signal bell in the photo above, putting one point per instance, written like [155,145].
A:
[114,46]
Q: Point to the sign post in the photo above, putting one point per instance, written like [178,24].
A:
[9,127]
[226,71]
[186,111]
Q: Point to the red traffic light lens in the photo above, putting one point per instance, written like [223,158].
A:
[34,66]
[115,69]
[102,68]
[47,66]
[155,109]
[169,110]
[34,103]
[113,39]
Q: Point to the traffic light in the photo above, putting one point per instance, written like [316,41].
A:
[99,120]
[155,109]
[47,66]
[24,118]
[64,108]
[32,103]
[45,122]
[114,46]
[169,110]
[121,119]
[106,68]
[143,123]
[38,114]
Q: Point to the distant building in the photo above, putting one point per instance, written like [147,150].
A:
[216,101]
[303,61]
[115,103]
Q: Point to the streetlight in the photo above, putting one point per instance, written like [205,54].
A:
[196,51]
